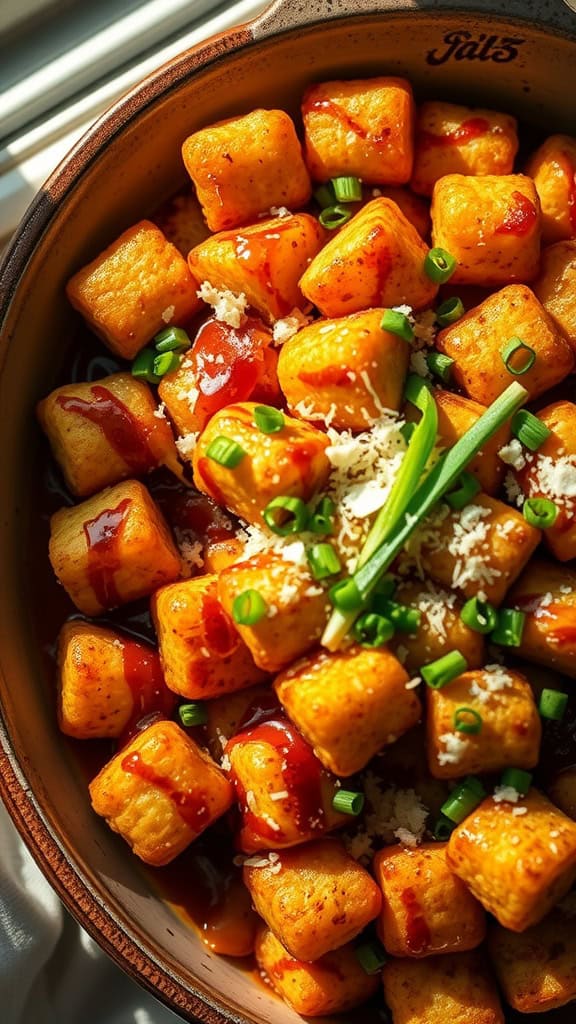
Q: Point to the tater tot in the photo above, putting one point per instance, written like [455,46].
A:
[264,261]
[133,289]
[180,220]
[160,792]
[477,344]
[456,415]
[334,983]
[106,430]
[297,608]
[457,988]
[225,714]
[283,792]
[107,682]
[441,629]
[555,286]
[201,652]
[349,704]
[314,898]
[480,549]
[510,724]
[360,127]
[490,225]
[243,166]
[414,208]
[537,969]
[377,259]
[546,593]
[290,462]
[349,370]
[112,548]
[426,909]
[461,140]
[518,858]
[550,473]
[553,168]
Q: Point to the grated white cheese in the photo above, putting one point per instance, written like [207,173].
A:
[160,411]
[186,444]
[513,454]
[412,683]
[492,680]
[454,748]
[190,550]
[505,794]
[168,314]
[228,307]
[419,365]
[286,328]
[513,490]
[555,479]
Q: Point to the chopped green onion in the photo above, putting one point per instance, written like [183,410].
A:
[443,829]
[398,323]
[553,704]
[193,714]
[225,452]
[479,615]
[268,419]
[166,362]
[143,366]
[442,671]
[248,608]
[371,956]
[519,780]
[467,720]
[372,630]
[333,217]
[346,801]
[440,365]
[386,587]
[402,617]
[321,518]
[285,515]
[540,512]
[412,503]
[466,488]
[509,628]
[509,349]
[529,430]
[172,339]
[407,430]
[439,265]
[463,800]
[323,561]
[344,596]
[347,189]
[450,311]
[324,195]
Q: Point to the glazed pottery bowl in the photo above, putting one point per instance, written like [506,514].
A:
[515,55]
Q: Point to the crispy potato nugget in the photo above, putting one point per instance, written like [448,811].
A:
[482,548]
[297,608]
[415,209]
[160,792]
[180,220]
[537,969]
[314,898]
[461,140]
[334,983]
[137,286]
[284,794]
[245,165]
[441,629]
[456,415]
[364,128]
[107,682]
[264,261]
[112,548]
[477,344]
[555,286]
[377,259]
[291,462]
[347,369]
[201,652]
[511,729]
[227,713]
[519,865]
[546,593]
[105,431]
[553,168]
[426,909]
[490,225]
[457,988]
[349,705]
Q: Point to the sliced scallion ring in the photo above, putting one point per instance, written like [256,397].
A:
[347,189]
[371,956]
[323,561]
[540,512]
[467,720]
[166,362]
[529,430]
[450,311]
[442,671]
[268,419]
[333,217]
[517,356]
[553,704]
[509,628]
[285,515]
[466,488]
[440,365]
[347,801]
[463,800]
[321,519]
[479,615]
[143,366]
[373,630]
[395,322]
[518,779]
[193,714]
[324,196]
[439,265]
[248,608]
[172,339]
[225,452]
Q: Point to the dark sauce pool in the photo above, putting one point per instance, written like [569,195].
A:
[203,885]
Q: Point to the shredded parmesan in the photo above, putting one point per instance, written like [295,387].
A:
[513,490]
[555,479]
[228,307]
[168,314]
[160,412]
[506,794]
[492,680]
[286,328]
[454,748]
[513,454]
[186,444]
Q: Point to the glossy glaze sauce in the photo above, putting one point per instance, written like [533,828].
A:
[103,535]
[256,249]
[418,936]
[378,138]
[520,217]
[122,430]
[143,673]
[468,131]
[191,804]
